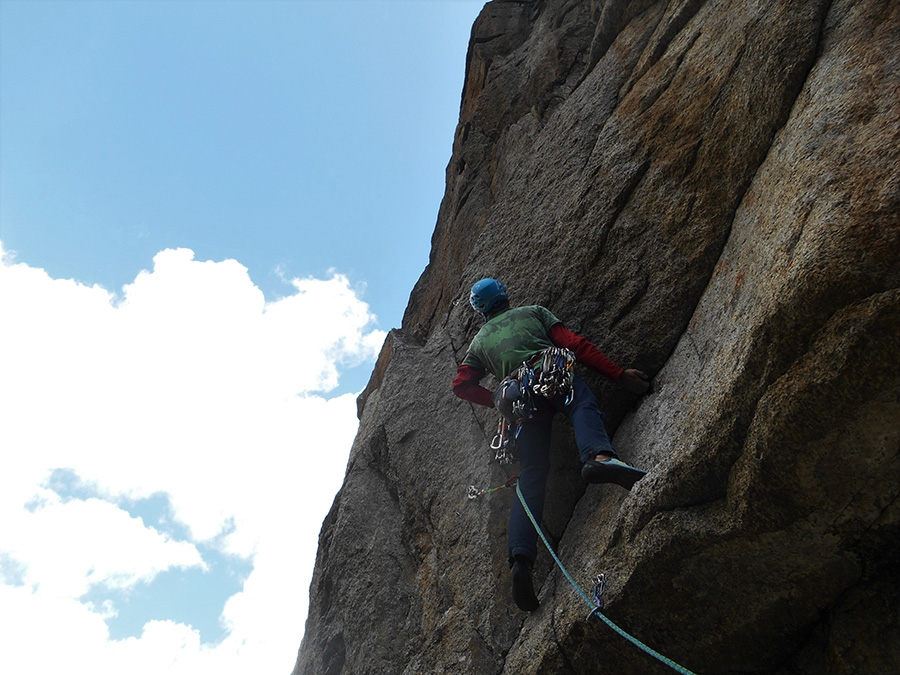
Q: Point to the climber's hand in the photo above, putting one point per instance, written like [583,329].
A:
[634,381]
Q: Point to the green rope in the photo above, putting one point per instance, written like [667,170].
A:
[596,610]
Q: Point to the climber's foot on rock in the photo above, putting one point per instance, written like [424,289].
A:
[606,469]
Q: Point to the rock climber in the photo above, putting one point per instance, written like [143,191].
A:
[509,338]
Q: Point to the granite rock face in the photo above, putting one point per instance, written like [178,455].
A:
[709,191]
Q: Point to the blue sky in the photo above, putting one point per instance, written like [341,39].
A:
[210,214]
[295,137]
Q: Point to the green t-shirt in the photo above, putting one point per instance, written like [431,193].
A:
[509,339]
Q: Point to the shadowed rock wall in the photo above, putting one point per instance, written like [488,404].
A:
[709,191]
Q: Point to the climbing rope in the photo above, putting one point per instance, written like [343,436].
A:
[598,595]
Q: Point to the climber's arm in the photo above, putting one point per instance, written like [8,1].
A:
[632,380]
[466,386]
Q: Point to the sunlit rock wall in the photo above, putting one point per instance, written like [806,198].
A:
[709,191]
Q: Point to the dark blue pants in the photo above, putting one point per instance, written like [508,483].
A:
[533,448]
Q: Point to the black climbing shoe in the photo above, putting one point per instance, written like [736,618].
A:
[611,471]
[522,587]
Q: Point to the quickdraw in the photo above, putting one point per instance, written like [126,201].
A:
[598,595]
[599,588]
[549,374]
[556,375]
[474,492]
[504,442]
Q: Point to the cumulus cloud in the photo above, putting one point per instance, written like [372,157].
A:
[188,385]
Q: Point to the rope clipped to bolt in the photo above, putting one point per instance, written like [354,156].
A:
[475,493]
[597,605]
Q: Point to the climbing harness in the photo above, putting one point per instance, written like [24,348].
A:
[597,605]
[474,492]
[513,398]
[555,376]
[548,374]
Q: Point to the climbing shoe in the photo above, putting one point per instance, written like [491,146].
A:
[522,587]
[611,471]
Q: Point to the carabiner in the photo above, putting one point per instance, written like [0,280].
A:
[599,588]
[500,437]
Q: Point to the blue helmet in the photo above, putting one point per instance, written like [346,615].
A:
[487,296]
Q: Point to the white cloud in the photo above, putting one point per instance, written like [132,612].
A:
[192,385]
[98,543]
